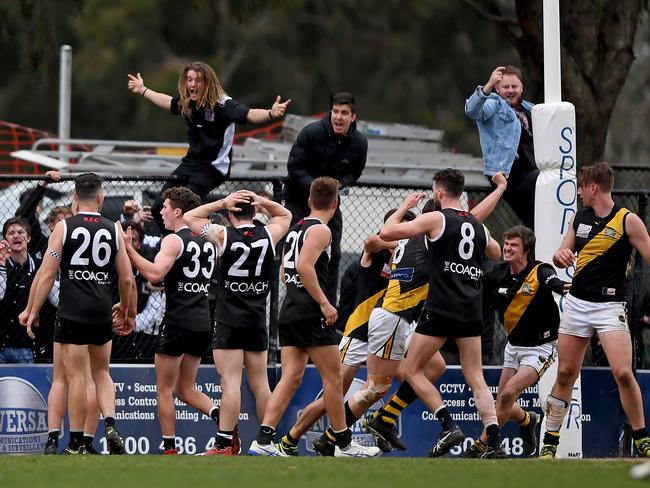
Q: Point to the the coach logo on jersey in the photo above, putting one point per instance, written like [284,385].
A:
[23,417]
[259,287]
[610,232]
[583,231]
[473,272]
[193,287]
[101,277]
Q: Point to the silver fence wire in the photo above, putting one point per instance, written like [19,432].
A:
[363,208]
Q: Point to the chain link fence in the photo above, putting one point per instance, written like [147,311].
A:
[363,208]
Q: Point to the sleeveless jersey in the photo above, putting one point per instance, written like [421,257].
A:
[409,279]
[90,244]
[298,303]
[371,286]
[245,266]
[603,253]
[456,267]
[188,282]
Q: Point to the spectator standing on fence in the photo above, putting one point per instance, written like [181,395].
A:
[239,336]
[505,130]
[599,244]
[330,147]
[31,206]
[211,116]
[17,270]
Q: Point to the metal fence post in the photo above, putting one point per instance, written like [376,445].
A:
[274,344]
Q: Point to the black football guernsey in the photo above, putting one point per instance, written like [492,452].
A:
[603,253]
[298,303]
[409,278]
[371,286]
[245,267]
[90,245]
[457,254]
[188,282]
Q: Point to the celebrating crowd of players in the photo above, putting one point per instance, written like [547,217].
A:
[421,282]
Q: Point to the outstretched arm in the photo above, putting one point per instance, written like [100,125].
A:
[486,206]
[259,115]
[428,223]
[136,85]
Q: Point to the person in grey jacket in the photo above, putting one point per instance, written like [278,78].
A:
[505,131]
[330,147]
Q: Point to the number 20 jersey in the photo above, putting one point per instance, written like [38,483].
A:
[187,283]
[245,267]
[455,286]
[299,305]
[90,244]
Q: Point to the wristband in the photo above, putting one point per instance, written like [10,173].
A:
[270,116]
[144,91]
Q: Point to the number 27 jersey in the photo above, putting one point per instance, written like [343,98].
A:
[245,266]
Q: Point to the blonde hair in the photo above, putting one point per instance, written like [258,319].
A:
[213,92]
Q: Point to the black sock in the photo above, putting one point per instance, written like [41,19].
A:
[399,401]
[169,442]
[343,438]
[445,418]
[350,417]
[265,435]
[88,440]
[76,439]
[329,436]
[290,441]
[53,436]
[494,439]
[214,414]
[551,438]
[223,439]
[109,422]
[639,433]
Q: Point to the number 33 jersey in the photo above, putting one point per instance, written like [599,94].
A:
[90,244]
[457,255]
[188,281]
[245,266]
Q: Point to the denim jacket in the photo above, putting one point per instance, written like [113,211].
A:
[498,129]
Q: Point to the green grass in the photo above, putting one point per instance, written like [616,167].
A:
[193,472]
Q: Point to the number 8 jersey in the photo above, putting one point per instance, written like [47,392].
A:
[90,244]
[456,267]
[245,266]
[187,283]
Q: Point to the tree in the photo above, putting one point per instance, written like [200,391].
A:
[597,39]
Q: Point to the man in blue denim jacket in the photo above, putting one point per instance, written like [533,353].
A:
[506,134]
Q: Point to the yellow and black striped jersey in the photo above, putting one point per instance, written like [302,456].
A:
[371,286]
[603,253]
[409,278]
[526,302]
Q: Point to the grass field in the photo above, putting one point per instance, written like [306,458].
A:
[194,472]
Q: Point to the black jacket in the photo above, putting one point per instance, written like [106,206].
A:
[319,152]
